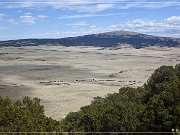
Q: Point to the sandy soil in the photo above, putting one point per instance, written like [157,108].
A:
[67,78]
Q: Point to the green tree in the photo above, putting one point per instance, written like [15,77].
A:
[26,115]
[177,68]
[159,79]
[162,111]
[116,112]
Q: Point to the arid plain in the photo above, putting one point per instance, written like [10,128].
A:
[67,78]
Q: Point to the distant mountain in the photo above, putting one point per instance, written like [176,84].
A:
[107,39]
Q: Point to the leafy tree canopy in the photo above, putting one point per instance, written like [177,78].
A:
[26,115]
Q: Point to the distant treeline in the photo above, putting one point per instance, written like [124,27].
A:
[154,107]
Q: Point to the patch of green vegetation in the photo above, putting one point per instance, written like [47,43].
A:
[26,115]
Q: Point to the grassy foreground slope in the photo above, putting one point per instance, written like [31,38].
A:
[153,107]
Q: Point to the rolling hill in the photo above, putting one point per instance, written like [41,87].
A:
[107,39]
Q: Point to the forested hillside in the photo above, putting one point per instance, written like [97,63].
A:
[107,39]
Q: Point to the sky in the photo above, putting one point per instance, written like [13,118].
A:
[20,19]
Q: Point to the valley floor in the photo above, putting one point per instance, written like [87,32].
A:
[67,78]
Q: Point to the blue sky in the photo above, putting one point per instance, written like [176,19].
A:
[21,19]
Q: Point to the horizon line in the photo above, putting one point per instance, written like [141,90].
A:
[91,34]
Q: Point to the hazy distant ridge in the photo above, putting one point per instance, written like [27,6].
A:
[107,39]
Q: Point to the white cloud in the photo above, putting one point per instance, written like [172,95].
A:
[147,4]
[83,23]
[42,17]
[88,8]
[93,26]
[88,15]
[28,13]
[166,27]
[2,16]
[91,6]
[113,26]
[173,20]
[19,11]
[27,19]
[13,21]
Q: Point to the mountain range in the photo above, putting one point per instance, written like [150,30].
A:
[107,39]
